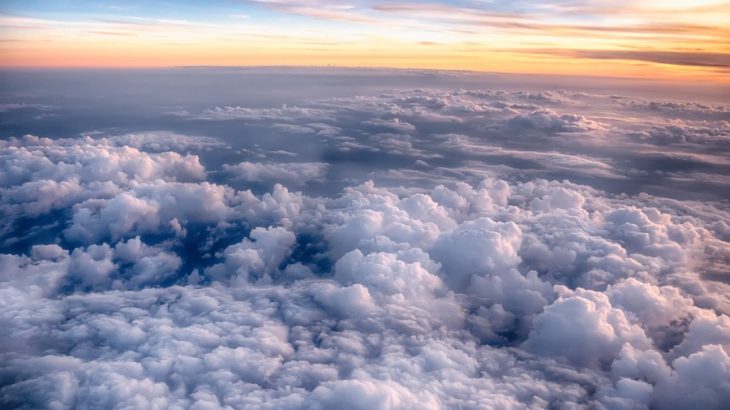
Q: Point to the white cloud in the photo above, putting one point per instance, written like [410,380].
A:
[132,276]
[583,327]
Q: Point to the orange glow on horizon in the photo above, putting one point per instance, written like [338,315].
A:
[126,55]
[671,41]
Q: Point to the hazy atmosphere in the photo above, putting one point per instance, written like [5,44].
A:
[238,205]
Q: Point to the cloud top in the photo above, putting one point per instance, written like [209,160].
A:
[159,270]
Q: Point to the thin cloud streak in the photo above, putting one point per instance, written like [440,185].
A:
[719,60]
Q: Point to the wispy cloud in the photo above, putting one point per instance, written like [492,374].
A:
[688,58]
[324,10]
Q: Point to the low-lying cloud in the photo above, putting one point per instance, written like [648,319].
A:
[137,273]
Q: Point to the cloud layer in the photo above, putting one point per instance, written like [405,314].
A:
[136,273]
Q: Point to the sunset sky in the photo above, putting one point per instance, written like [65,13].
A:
[638,38]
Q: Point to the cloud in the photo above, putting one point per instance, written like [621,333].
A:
[32,158]
[394,124]
[493,247]
[705,371]
[678,109]
[284,113]
[161,141]
[583,327]
[259,257]
[137,271]
[679,58]
[23,106]
[547,120]
[660,147]
[319,10]
[283,173]
[148,208]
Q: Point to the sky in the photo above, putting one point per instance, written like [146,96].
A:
[672,39]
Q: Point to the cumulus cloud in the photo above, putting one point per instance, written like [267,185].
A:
[546,120]
[32,158]
[583,327]
[137,272]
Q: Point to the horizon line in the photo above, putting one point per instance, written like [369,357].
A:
[712,80]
